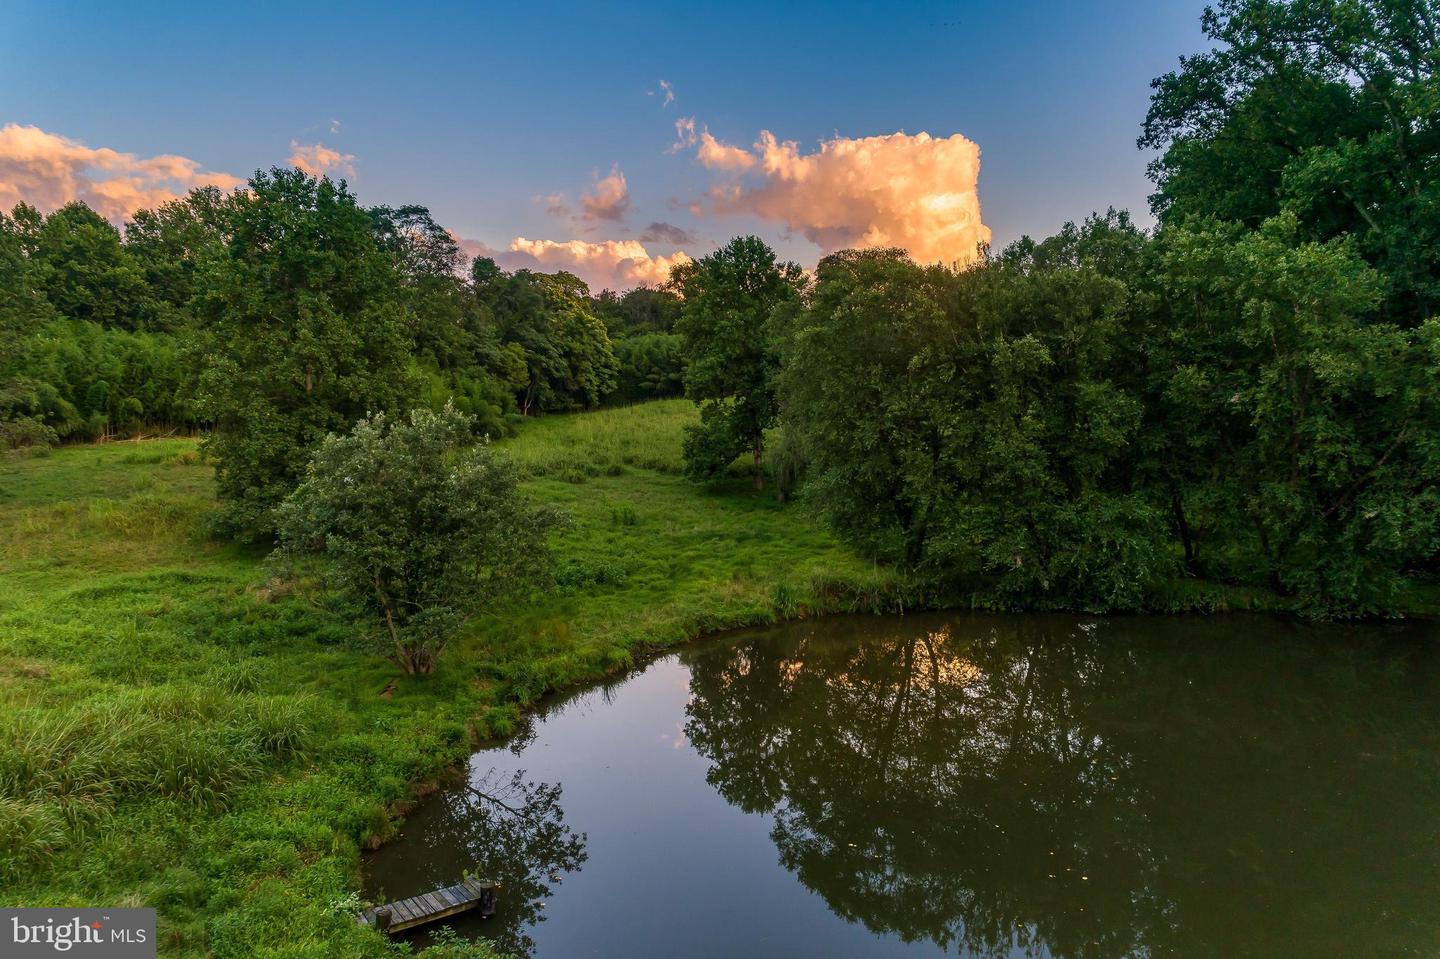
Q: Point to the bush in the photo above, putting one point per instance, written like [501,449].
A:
[415,527]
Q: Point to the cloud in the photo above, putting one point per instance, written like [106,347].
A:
[661,232]
[610,199]
[684,134]
[915,192]
[603,265]
[317,159]
[668,93]
[48,170]
[711,152]
[555,204]
[606,264]
[722,156]
[334,126]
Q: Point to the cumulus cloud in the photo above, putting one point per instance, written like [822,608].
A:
[317,159]
[47,171]
[610,199]
[915,192]
[712,153]
[605,264]
[662,232]
[722,156]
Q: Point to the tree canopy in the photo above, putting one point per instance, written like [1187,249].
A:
[732,298]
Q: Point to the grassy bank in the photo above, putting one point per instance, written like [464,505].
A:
[177,731]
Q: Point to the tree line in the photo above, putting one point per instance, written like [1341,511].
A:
[1245,394]
[109,333]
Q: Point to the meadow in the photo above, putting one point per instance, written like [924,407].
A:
[179,728]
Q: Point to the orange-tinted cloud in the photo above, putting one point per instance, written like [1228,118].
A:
[607,264]
[915,192]
[317,159]
[711,152]
[610,199]
[47,171]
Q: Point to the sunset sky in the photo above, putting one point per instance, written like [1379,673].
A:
[607,139]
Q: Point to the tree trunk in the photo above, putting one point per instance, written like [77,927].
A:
[1187,540]
[756,448]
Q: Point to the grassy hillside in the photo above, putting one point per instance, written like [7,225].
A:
[178,730]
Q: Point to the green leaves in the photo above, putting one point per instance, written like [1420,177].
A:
[1325,109]
[733,299]
[304,333]
[415,527]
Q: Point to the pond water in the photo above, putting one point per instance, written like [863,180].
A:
[969,785]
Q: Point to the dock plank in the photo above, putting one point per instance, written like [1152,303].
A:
[436,904]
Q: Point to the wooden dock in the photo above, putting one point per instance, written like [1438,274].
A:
[428,907]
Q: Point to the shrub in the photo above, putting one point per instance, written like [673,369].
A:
[415,528]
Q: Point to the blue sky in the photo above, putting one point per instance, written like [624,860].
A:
[478,111]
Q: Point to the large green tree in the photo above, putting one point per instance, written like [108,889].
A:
[304,334]
[548,321]
[87,273]
[1327,109]
[980,426]
[732,300]
[172,243]
[1298,428]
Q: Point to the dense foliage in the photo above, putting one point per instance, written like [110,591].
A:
[1244,395]
[417,527]
[732,298]
[1326,109]
[303,333]
[1078,420]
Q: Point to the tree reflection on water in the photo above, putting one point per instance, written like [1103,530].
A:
[1090,790]
[513,831]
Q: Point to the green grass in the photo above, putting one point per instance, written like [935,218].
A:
[177,731]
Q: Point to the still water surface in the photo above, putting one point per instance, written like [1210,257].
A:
[969,785]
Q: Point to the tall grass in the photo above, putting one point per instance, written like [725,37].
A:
[646,436]
[178,731]
[63,771]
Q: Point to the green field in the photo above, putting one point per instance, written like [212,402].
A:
[177,729]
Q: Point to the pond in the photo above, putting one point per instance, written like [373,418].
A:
[972,785]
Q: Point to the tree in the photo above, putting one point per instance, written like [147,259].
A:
[1314,422]
[977,426]
[423,247]
[1321,108]
[23,310]
[304,333]
[87,274]
[730,352]
[651,367]
[415,528]
[568,358]
[639,311]
[172,245]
